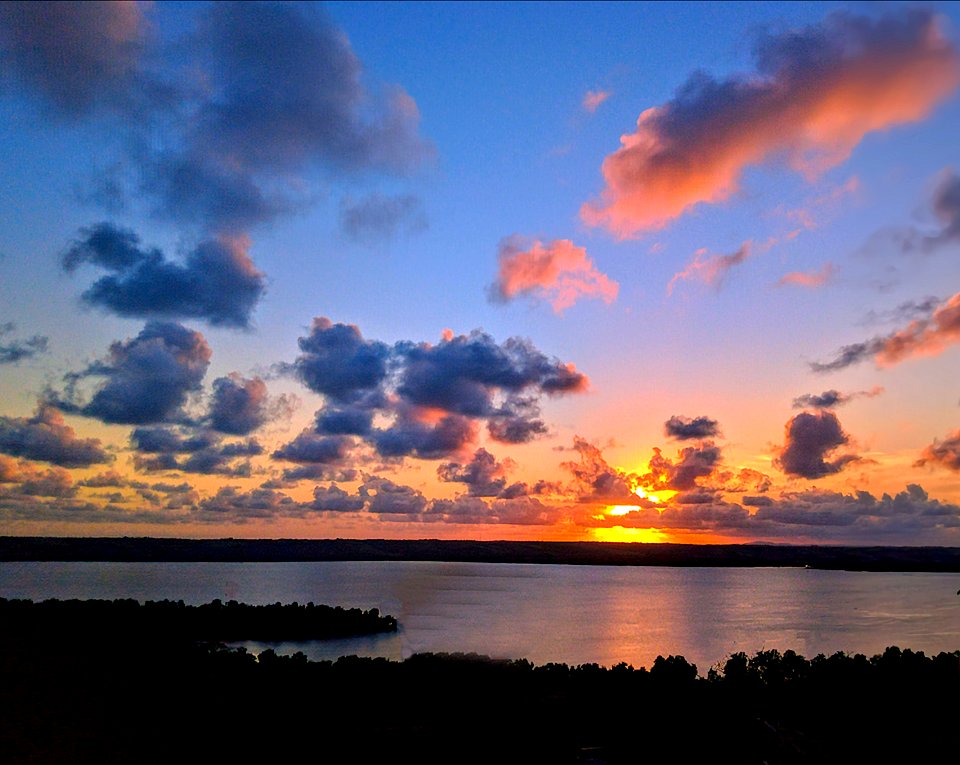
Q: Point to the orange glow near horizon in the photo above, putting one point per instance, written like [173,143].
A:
[622,534]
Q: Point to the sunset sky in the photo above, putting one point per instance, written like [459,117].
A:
[651,272]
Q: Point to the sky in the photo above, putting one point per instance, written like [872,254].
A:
[625,272]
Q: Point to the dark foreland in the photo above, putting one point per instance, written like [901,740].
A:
[144,549]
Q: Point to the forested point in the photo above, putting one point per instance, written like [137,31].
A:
[167,619]
[63,701]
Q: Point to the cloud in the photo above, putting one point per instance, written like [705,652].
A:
[346,420]
[311,448]
[592,100]
[46,437]
[147,378]
[906,311]
[338,363]
[596,481]
[832,398]
[711,269]
[810,279]
[463,373]
[810,438]
[285,97]
[945,453]
[684,428]
[558,272]
[813,99]
[682,474]
[231,504]
[207,453]
[425,400]
[19,350]
[483,475]
[239,405]
[377,218]
[77,56]
[385,496]
[217,281]
[410,435]
[926,336]
[334,499]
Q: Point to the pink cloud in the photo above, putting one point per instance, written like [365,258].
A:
[711,269]
[924,337]
[817,93]
[811,279]
[559,272]
[593,99]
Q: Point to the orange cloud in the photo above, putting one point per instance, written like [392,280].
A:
[810,279]
[593,99]
[924,337]
[559,272]
[817,93]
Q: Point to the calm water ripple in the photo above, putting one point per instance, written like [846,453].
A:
[574,614]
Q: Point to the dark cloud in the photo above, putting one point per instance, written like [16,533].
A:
[206,453]
[905,312]
[312,448]
[239,405]
[483,475]
[461,374]
[810,438]
[517,421]
[925,336]
[520,511]
[345,420]
[334,499]
[409,436]
[832,398]
[337,362]
[285,97]
[232,505]
[51,483]
[377,217]
[216,282]
[432,397]
[18,350]
[946,206]
[685,428]
[314,472]
[46,437]
[110,479]
[148,378]
[385,496]
[682,474]
[77,56]
[945,453]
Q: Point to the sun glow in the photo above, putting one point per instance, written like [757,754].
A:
[621,534]
[621,509]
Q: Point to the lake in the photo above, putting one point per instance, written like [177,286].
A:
[572,614]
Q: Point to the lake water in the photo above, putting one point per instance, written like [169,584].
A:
[573,614]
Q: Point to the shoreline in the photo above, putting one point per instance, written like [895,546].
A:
[171,550]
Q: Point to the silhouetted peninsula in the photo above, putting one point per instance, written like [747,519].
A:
[849,558]
[166,620]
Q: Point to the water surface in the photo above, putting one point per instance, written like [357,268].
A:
[573,614]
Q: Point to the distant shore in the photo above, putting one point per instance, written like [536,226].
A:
[149,549]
